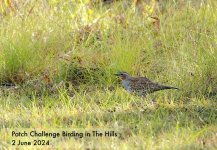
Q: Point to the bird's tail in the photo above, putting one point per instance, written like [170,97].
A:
[164,87]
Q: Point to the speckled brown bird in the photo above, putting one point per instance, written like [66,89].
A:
[141,86]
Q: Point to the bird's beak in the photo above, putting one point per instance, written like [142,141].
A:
[116,74]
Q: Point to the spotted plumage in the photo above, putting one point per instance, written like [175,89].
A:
[140,85]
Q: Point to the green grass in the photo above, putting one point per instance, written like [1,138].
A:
[62,59]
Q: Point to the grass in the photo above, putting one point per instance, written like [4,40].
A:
[62,56]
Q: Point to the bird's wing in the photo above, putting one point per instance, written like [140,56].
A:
[149,84]
[140,82]
[145,80]
[144,83]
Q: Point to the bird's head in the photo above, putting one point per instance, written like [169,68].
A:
[123,75]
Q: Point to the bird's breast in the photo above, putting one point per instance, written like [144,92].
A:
[126,85]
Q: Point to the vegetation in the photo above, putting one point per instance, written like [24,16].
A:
[61,57]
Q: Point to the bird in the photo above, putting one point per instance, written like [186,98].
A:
[140,86]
